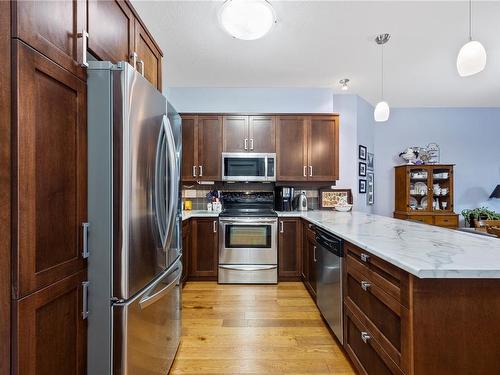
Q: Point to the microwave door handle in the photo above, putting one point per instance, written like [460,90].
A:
[265,167]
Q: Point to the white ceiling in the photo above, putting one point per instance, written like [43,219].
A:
[317,43]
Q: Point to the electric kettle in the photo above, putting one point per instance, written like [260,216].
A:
[302,201]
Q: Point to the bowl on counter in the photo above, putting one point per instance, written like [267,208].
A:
[343,207]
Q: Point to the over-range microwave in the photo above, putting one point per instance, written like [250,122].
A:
[244,166]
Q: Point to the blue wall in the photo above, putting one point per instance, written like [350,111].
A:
[468,138]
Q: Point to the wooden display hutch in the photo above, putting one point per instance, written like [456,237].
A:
[425,193]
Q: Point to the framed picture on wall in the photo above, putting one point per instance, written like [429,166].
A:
[362,169]
[370,161]
[362,152]
[362,186]
[370,188]
[329,198]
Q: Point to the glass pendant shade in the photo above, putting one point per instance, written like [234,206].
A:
[381,112]
[471,59]
[247,19]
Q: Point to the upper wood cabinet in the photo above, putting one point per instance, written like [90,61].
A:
[202,141]
[148,56]
[50,189]
[291,148]
[290,248]
[111,26]
[315,144]
[50,330]
[249,134]
[52,28]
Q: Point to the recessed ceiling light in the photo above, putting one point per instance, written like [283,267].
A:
[247,19]
[344,83]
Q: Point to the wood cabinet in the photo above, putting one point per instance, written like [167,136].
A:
[397,323]
[315,144]
[309,259]
[50,168]
[111,28]
[425,193]
[52,27]
[289,248]
[249,134]
[50,330]
[204,250]
[186,252]
[202,147]
[148,54]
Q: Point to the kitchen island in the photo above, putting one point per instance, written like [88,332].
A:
[418,299]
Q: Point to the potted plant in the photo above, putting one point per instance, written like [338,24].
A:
[481,213]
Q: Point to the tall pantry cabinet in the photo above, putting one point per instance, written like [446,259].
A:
[43,170]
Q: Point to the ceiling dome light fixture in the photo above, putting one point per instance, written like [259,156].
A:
[247,19]
[344,83]
[382,110]
[471,58]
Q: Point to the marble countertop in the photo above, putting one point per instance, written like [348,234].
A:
[198,213]
[423,250]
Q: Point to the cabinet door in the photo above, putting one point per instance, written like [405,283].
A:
[186,244]
[148,55]
[323,150]
[209,148]
[51,27]
[50,330]
[189,166]
[235,135]
[290,248]
[262,134]
[111,30]
[50,205]
[204,248]
[311,250]
[291,148]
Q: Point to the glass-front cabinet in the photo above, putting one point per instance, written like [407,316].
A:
[425,193]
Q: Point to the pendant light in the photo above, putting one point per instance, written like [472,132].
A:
[471,58]
[382,110]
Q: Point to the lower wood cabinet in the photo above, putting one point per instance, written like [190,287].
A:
[204,249]
[50,330]
[397,323]
[440,220]
[186,246]
[309,258]
[289,248]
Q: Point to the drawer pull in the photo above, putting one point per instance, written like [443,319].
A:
[365,257]
[365,285]
[365,336]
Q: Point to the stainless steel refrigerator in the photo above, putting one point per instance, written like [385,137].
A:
[134,239]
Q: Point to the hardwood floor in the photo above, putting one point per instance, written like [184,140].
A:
[249,329]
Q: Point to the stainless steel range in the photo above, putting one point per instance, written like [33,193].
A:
[248,245]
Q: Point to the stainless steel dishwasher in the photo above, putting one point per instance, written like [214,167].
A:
[329,253]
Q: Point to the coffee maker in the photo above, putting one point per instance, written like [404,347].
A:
[283,197]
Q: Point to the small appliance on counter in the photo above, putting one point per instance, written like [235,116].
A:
[300,201]
[284,198]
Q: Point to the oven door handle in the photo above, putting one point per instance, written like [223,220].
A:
[247,220]
[248,268]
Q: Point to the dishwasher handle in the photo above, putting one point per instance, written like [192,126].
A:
[335,247]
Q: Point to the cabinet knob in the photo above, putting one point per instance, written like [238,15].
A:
[85,36]
[246,143]
[201,170]
[251,144]
[314,254]
[365,336]
[282,229]
[365,257]
[365,285]
[194,170]
[215,226]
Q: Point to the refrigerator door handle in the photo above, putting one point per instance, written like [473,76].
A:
[174,185]
[148,300]
[158,197]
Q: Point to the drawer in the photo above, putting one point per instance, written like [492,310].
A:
[424,219]
[446,221]
[364,350]
[389,278]
[382,315]
[248,274]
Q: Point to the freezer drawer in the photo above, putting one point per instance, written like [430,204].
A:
[248,274]
[147,328]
